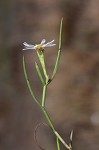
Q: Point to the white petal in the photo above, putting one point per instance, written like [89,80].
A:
[42,42]
[49,44]
[28,46]
[26,49]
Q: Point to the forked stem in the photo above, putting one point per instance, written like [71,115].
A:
[45,85]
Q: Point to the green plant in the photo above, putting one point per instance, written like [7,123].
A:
[46,80]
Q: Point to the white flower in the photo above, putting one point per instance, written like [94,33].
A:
[40,46]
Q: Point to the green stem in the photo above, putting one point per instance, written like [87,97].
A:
[48,118]
[55,132]
[44,95]
[42,61]
[60,138]
[39,73]
[58,143]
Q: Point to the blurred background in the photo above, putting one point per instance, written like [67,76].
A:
[73,97]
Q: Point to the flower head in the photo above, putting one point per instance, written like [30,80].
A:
[39,47]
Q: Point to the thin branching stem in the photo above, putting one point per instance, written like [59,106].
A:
[45,83]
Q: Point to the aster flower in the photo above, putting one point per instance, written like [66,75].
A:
[39,47]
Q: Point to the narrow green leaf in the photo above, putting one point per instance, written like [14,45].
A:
[60,35]
[71,138]
[59,51]
[28,83]
[42,61]
[39,73]
[58,144]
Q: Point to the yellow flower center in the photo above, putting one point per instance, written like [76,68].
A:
[39,47]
